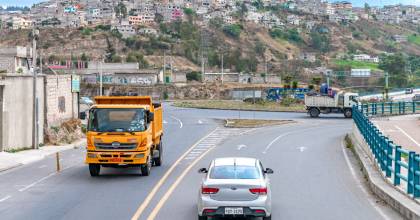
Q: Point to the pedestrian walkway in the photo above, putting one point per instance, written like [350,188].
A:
[12,160]
[403,130]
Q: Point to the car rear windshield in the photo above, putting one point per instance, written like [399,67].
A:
[235,172]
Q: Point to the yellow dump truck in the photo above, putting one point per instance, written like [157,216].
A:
[124,131]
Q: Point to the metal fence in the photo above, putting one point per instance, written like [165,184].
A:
[390,108]
[396,163]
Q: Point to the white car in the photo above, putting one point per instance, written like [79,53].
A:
[237,187]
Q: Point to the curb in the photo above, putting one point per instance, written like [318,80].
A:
[70,146]
[404,205]
[243,110]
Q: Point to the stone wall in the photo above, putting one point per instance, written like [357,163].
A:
[61,103]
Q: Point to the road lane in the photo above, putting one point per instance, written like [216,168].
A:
[311,184]
[73,194]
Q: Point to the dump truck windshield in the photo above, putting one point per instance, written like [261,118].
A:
[117,120]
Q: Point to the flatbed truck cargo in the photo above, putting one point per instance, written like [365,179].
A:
[124,131]
[339,103]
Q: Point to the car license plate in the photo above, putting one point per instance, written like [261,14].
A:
[234,211]
[116,160]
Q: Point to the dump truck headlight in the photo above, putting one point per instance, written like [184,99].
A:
[90,155]
[139,156]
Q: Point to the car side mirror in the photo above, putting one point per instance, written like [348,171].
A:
[203,170]
[268,171]
[82,115]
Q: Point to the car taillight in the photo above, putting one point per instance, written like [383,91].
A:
[259,191]
[209,190]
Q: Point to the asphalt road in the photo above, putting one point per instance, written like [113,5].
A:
[315,177]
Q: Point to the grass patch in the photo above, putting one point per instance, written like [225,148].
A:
[240,105]
[254,123]
[18,149]
[349,143]
[415,39]
[356,64]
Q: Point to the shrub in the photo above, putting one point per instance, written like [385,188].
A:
[194,76]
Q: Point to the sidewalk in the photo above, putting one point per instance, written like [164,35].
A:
[12,160]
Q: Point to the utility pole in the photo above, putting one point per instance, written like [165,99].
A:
[386,85]
[34,95]
[164,66]
[222,66]
[266,69]
[100,78]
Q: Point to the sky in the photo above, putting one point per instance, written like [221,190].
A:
[355,2]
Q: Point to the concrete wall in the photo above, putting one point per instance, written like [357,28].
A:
[17,118]
[216,77]
[61,103]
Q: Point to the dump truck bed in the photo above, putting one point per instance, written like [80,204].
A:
[319,101]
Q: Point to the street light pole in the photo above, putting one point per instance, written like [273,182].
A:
[34,92]
[222,67]
[100,77]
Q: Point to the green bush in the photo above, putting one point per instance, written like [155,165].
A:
[194,76]
[233,30]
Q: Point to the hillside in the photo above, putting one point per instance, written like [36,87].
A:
[246,46]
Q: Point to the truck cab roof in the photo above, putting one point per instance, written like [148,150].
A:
[147,107]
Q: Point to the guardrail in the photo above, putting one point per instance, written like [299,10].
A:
[390,108]
[396,163]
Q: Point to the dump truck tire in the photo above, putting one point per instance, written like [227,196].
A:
[94,169]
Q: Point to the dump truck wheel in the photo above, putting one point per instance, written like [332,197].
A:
[145,169]
[94,169]
[158,161]
[348,113]
[314,112]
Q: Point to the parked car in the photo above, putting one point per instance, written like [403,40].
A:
[86,101]
[235,187]
[416,98]
[409,91]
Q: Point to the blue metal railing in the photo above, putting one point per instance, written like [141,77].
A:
[391,158]
[390,108]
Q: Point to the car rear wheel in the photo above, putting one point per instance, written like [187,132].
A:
[94,169]
[267,218]
[202,217]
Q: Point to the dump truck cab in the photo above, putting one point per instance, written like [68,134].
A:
[124,131]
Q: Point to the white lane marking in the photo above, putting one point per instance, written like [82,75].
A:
[179,121]
[5,198]
[36,182]
[360,185]
[409,137]
[42,166]
[163,179]
[165,122]
[200,122]
[301,149]
[241,146]
[273,141]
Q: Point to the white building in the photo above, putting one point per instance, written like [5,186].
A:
[360,72]
[366,58]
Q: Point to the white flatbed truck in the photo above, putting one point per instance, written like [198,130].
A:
[341,103]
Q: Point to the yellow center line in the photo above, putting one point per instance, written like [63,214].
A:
[149,197]
[168,193]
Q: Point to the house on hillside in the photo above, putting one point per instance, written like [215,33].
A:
[148,31]
[293,19]
[366,58]
[307,56]
[400,38]
[15,59]
[126,29]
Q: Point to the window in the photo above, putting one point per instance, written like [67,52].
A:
[117,120]
[235,172]
[61,104]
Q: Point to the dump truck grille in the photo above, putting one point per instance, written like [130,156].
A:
[115,146]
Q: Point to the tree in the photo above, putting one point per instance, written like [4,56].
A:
[367,8]
[395,65]
[260,48]
[121,11]
[316,80]
[320,41]
[233,30]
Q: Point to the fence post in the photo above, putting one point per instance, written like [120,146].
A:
[388,157]
[390,108]
[414,106]
[383,108]
[416,177]
[403,107]
[397,166]
[410,172]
